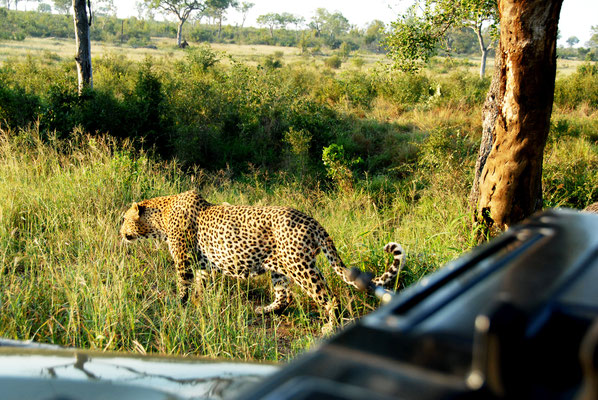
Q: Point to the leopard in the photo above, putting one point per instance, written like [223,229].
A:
[243,241]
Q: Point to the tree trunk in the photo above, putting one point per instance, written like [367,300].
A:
[517,114]
[483,63]
[179,32]
[489,115]
[483,49]
[83,44]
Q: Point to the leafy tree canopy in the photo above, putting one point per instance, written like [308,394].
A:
[416,35]
[183,8]
[572,41]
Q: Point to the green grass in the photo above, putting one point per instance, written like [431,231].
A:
[58,49]
[67,279]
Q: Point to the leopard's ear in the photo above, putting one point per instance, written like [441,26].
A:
[139,209]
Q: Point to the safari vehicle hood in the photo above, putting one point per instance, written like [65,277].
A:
[38,371]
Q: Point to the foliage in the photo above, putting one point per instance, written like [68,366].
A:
[593,42]
[288,30]
[17,106]
[67,280]
[416,36]
[333,61]
[570,175]
[203,57]
[579,88]
[338,166]
[273,61]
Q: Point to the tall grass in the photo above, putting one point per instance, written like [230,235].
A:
[67,279]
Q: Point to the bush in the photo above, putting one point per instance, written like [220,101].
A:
[272,62]
[578,88]
[17,107]
[405,88]
[460,89]
[333,62]
[202,57]
[338,166]
[570,174]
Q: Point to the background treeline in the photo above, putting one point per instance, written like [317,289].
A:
[332,32]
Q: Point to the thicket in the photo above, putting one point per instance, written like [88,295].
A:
[213,115]
[17,25]
[216,116]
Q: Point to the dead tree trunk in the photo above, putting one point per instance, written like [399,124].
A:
[508,183]
[83,44]
[483,48]
[179,33]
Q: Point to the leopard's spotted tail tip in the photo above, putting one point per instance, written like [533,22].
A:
[394,248]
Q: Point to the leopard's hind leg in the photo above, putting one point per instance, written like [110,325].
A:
[311,280]
[282,294]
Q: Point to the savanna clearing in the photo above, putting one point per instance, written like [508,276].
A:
[373,155]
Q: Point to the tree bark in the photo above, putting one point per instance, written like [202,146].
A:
[517,114]
[489,116]
[483,49]
[83,45]
[179,32]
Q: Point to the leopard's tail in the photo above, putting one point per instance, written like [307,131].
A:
[339,267]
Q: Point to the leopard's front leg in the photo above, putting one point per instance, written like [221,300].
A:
[179,250]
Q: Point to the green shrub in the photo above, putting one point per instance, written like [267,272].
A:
[333,62]
[578,88]
[17,107]
[272,62]
[357,62]
[570,173]
[405,88]
[446,147]
[338,166]
[460,89]
[202,57]
[357,88]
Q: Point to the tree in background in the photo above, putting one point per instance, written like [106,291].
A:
[83,44]
[244,8]
[374,35]
[217,10]
[44,8]
[143,12]
[336,25]
[182,9]
[572,41]
[104,8]
[269,20]
[415,36]
[593,42]
[330,26]
[62,6]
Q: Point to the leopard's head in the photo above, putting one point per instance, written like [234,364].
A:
[135,224]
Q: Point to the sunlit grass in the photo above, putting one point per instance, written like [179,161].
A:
[67,279]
